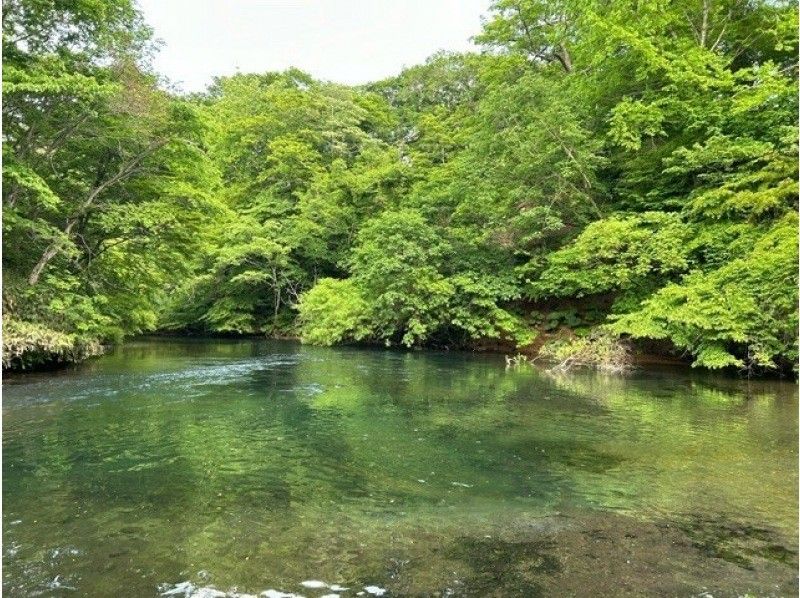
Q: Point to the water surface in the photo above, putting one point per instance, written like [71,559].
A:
[255,465]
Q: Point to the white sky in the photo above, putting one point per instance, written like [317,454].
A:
[347,41]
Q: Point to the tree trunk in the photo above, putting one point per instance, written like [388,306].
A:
[704,26]
[564,58]
[124,172]
[49,254]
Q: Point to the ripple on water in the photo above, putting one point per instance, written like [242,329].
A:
[38,389]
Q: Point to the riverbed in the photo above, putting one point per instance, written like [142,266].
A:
[195,467]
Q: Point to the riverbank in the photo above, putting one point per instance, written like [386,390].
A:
[28,346]
[32,348]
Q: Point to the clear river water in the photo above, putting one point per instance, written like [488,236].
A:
[255,467]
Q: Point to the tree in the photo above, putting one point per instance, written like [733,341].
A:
[610,164]
[106,179]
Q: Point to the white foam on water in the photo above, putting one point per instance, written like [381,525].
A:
[185,588]
[313,583]
[278,594]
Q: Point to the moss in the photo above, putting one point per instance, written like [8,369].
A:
[736,542]
[503,568]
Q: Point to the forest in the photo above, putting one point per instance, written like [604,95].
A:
[597,173]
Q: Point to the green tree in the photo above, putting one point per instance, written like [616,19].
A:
[105,177]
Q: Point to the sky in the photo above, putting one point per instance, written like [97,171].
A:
[346,41]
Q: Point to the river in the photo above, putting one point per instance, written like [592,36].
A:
[204,467]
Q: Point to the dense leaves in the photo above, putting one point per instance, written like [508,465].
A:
[625,166]
[105,178]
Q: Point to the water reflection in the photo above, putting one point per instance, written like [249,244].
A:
[263,464]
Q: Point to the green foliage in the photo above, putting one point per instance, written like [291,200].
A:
[398,261]
[105,178]
[401,291]
[247,275]
[333,312]
[616,253]
[477,309]
[27,345]
[632,165]
[743,313]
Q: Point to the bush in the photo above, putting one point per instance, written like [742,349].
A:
[333,312]
[27,345]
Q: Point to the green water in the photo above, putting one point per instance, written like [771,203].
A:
[254,465]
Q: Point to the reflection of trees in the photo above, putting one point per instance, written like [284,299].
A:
[228,449]
[443,418]
[695,444]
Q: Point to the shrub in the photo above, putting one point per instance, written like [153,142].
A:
[27,345]
[599,350]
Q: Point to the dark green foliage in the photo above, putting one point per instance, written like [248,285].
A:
[403,290]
